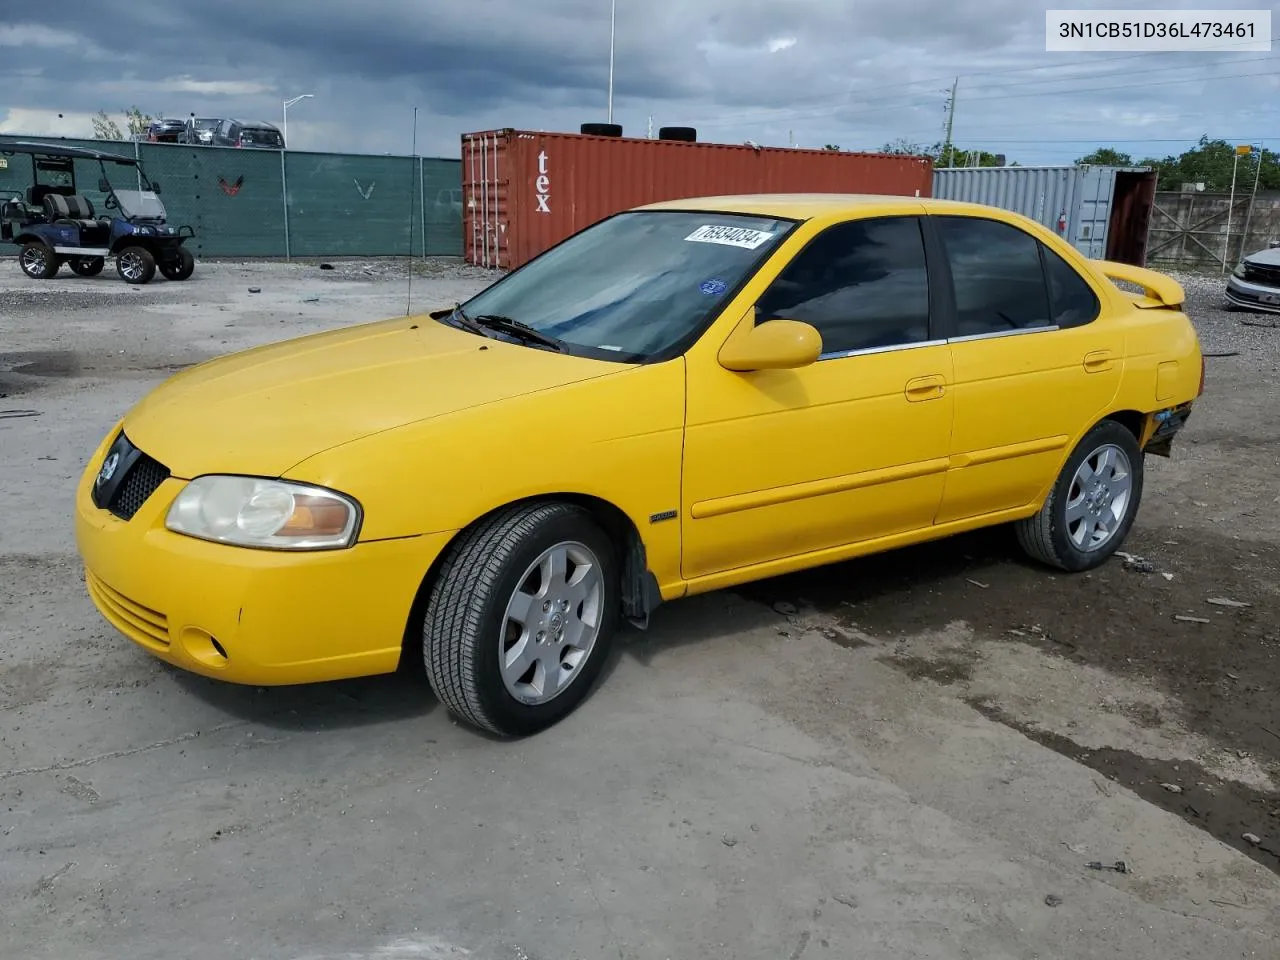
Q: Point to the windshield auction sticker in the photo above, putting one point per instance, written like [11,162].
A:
[730,236]
[1142,30]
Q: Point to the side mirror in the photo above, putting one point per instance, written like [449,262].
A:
[772,345]
[155,186]
[103,185]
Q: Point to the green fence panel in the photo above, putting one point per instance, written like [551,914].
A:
[442,207]
[232,198]
[348,205]
[235,199]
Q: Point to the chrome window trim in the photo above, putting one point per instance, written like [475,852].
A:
[992,335]
[869,351]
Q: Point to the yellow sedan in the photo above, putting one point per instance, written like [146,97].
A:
[682,397]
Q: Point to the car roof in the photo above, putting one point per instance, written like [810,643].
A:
[55,150]
[257,123]
[807,206]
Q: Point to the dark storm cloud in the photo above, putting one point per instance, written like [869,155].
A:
[856,72]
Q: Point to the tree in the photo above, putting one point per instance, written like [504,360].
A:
[1107,157]
[953,156]
[104,128]
[833,147]
[138,122]
[1209,162]
[904,147]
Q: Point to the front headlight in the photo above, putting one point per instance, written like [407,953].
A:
[271,514]
[1239,270]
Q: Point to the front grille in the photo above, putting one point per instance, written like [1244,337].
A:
[128,477]
[140,624]
[142,480]
[1267,276]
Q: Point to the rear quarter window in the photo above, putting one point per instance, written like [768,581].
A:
[1071,300]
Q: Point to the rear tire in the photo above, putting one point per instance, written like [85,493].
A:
[136,265]
[180,269]
[1092,505]
[86,266]
[520,619]
[38,261]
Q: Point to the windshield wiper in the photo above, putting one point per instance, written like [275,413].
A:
[521,331]
[466,322]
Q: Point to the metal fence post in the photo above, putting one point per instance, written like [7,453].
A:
[284,198]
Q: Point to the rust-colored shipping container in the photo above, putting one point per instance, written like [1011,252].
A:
[523,192]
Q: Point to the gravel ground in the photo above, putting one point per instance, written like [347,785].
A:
[911,756]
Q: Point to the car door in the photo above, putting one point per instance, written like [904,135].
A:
[1034,365]
[784,463]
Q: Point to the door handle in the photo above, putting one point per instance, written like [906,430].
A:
[925,388]
[1098,361]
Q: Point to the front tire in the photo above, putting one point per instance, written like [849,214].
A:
[180,269]
[136,265]
[38,261]
[86,266]
[521,617]
[1092,505]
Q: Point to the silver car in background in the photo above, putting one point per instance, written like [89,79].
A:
[1255,282]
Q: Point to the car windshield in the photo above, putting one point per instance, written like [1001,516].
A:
[142,204]
[635,285]
[205,124]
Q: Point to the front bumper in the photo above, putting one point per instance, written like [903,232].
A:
[1252,296]
[243,615]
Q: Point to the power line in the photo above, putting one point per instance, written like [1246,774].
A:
[761,112]
[1011,70]
[897,103]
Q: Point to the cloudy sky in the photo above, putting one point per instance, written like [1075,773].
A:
[857,73]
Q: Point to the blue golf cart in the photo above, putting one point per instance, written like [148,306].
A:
[53,223]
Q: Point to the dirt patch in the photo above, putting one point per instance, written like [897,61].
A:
[23,372]
[1200,696]
[1229,810]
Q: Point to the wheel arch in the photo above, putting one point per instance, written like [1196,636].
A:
[640,591]
[1135,421]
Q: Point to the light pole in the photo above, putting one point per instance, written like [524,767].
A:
[287,105]
[613,19]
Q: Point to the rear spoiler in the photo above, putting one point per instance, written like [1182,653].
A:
[1158,290]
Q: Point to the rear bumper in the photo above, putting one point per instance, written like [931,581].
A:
[1168,424]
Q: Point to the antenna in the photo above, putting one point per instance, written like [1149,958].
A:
[413,191]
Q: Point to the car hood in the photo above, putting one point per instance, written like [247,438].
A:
[266,409]
[1265,258]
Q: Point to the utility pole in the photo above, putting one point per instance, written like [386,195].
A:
[613,20]
[649,135]
[951,117]
[1252,197]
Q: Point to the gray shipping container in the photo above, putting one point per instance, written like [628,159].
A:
[1104,212]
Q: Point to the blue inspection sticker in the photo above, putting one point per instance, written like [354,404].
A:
[713,288]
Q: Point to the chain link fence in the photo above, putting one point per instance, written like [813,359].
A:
[271,203]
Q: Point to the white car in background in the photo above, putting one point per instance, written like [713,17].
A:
[1255,282]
